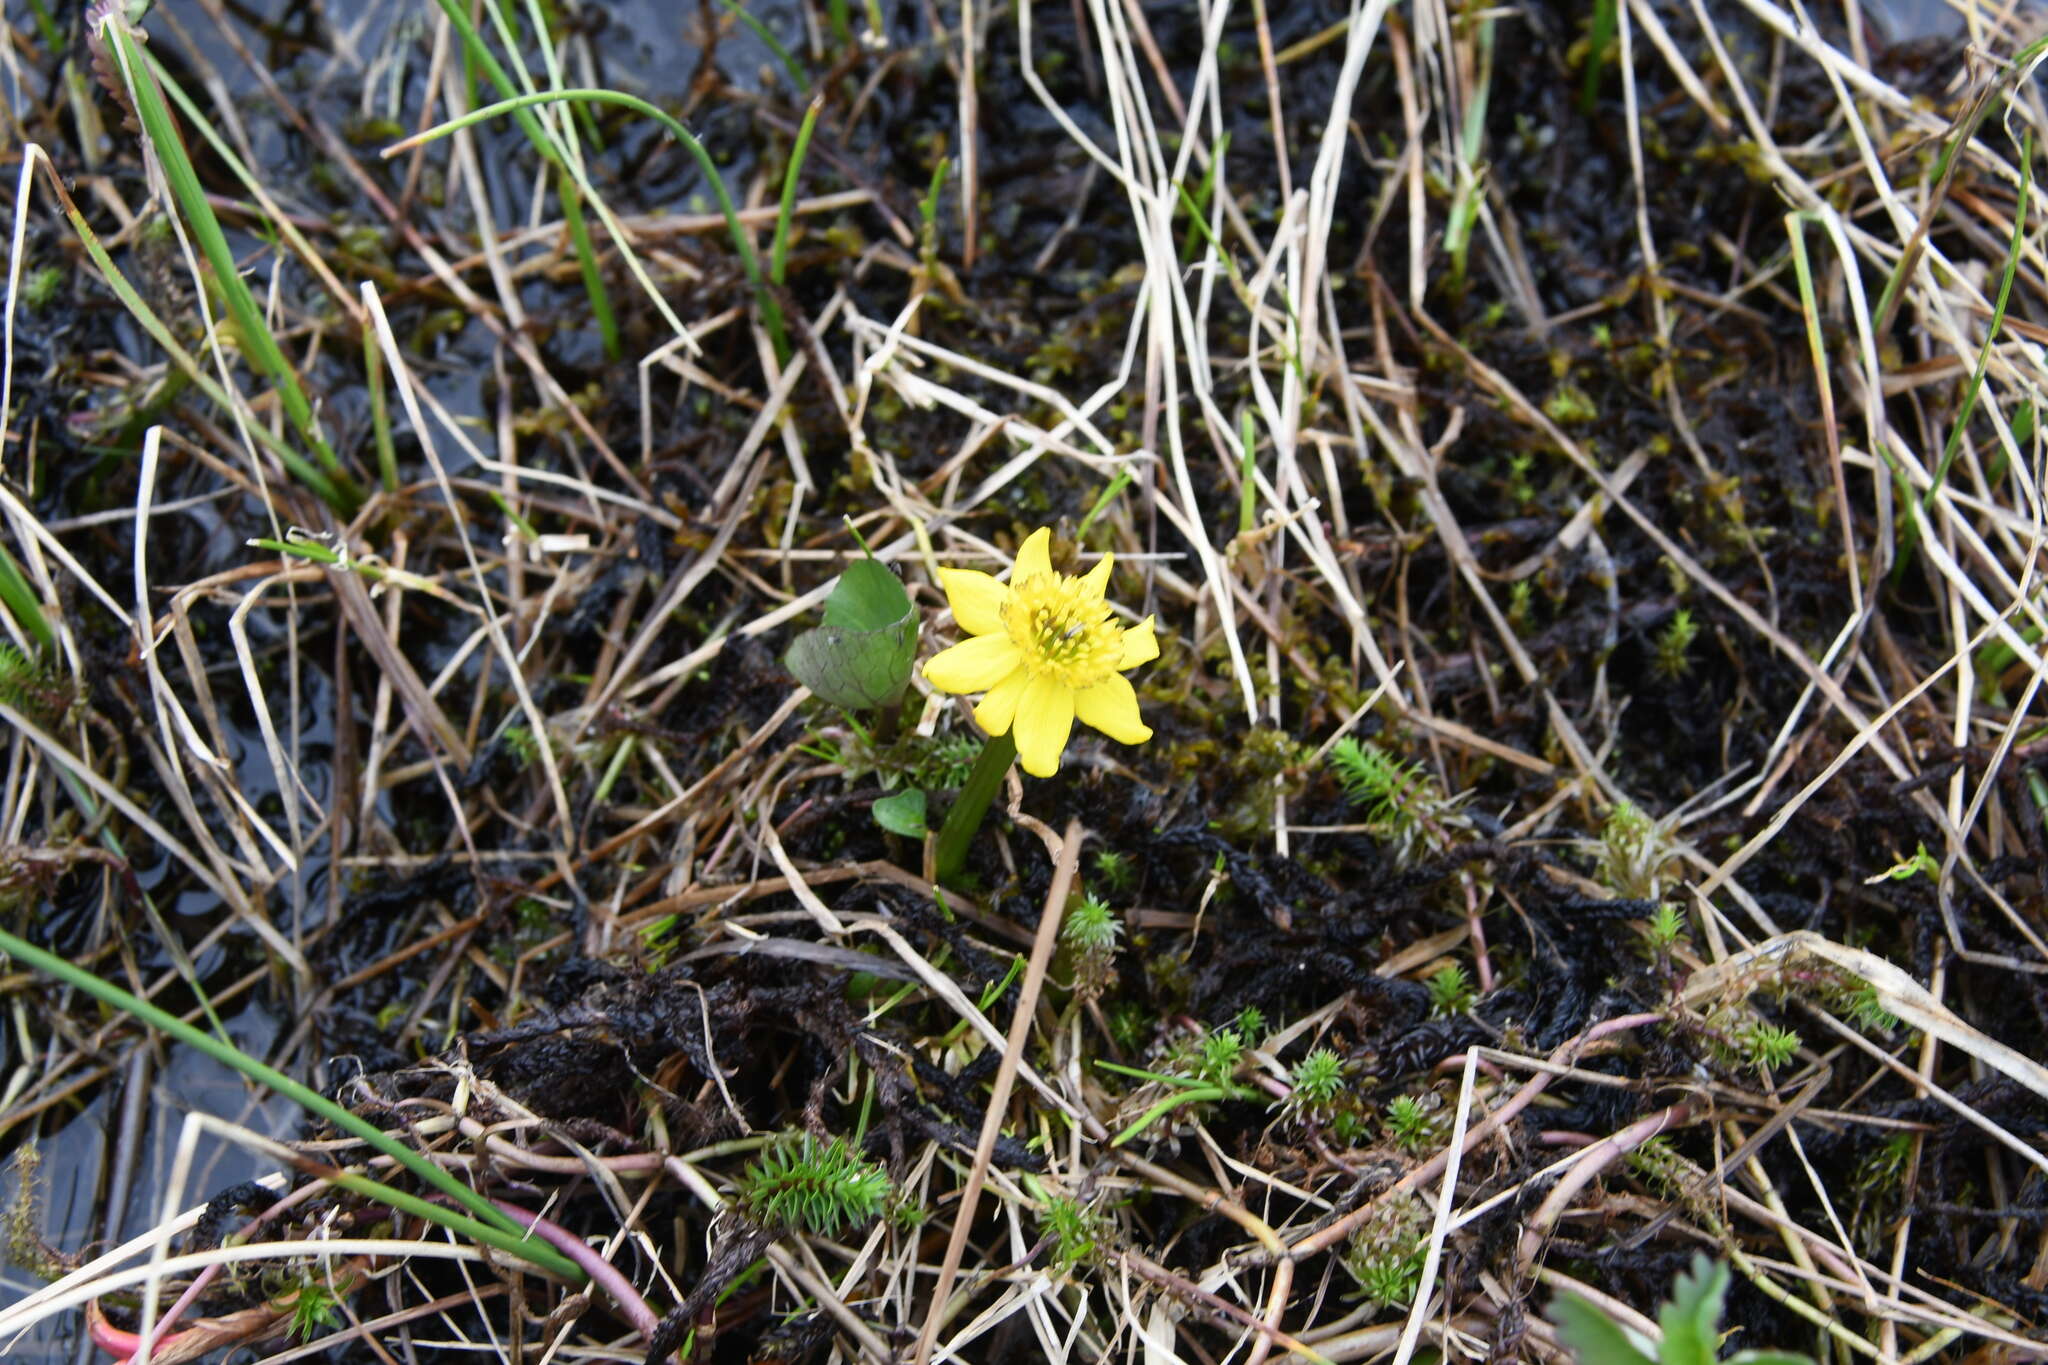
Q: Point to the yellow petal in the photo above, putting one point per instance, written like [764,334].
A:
[1141,646]
[976,600]
[1034,557]
[998,709]
[1111,706]
[1096,580]
[973,665]
[1045,717]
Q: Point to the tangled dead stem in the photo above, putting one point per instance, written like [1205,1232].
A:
[1585,467]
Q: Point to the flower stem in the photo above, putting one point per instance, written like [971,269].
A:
[971,806]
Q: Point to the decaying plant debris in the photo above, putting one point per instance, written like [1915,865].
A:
[1586,471]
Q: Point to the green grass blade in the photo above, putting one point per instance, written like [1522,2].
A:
[586,263]
[253,334]
[778,252]
[295,464]
[380,411]
[2012,261]
[1909,533]
[493,1227]
[1198,202]
[19,597]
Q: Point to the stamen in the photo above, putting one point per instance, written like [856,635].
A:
[1063,631]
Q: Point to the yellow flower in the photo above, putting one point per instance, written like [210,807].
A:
[1047,650]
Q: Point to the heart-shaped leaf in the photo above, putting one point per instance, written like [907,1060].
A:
[860,658]
[902,813]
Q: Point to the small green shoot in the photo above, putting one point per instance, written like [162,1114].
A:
[1669,659]
[778,251]
[928,215]
[39,290]
[1636,856]
[1222,1053]
[1116,870]
[520,740]
[812,1188]
[1599,37]
[1318,1079]
[1091,928]
[1921,864]
[1662,932]
[1768,1047]
[313,1310]
[1076,1230]
[1409,1123]
[1400,800]
[1868,1012]
[1450,991]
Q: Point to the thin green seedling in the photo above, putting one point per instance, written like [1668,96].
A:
[315,553]
[254,334]
[18,595]
[1909,532]
[1247,470]
[1242,289]
[989,995]
[1599,34]
[546,20]
[380,411]
[46,28]
[743,244]
[1118,483]
[489,1225]
[614,770]
[567,187]
[798,78]
[1198,202]
[1969,407]
[778,251]
[272,227]
[528,532]
[928,214]
[1188,1090]
[841,21]
[1466,201]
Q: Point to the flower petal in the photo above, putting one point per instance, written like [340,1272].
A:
[1111,706]
[1141,646]
[1034,557]
[998,710]
[1045,717]
[1097,579]
[974,665]
[976,599]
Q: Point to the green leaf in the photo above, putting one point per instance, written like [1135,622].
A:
[902,813]
[1692,1320]
[1592,1336]
[860,658]
[868,597]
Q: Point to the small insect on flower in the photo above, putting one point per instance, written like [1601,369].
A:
[1047,650]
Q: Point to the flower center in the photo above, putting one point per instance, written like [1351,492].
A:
[1064,632]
